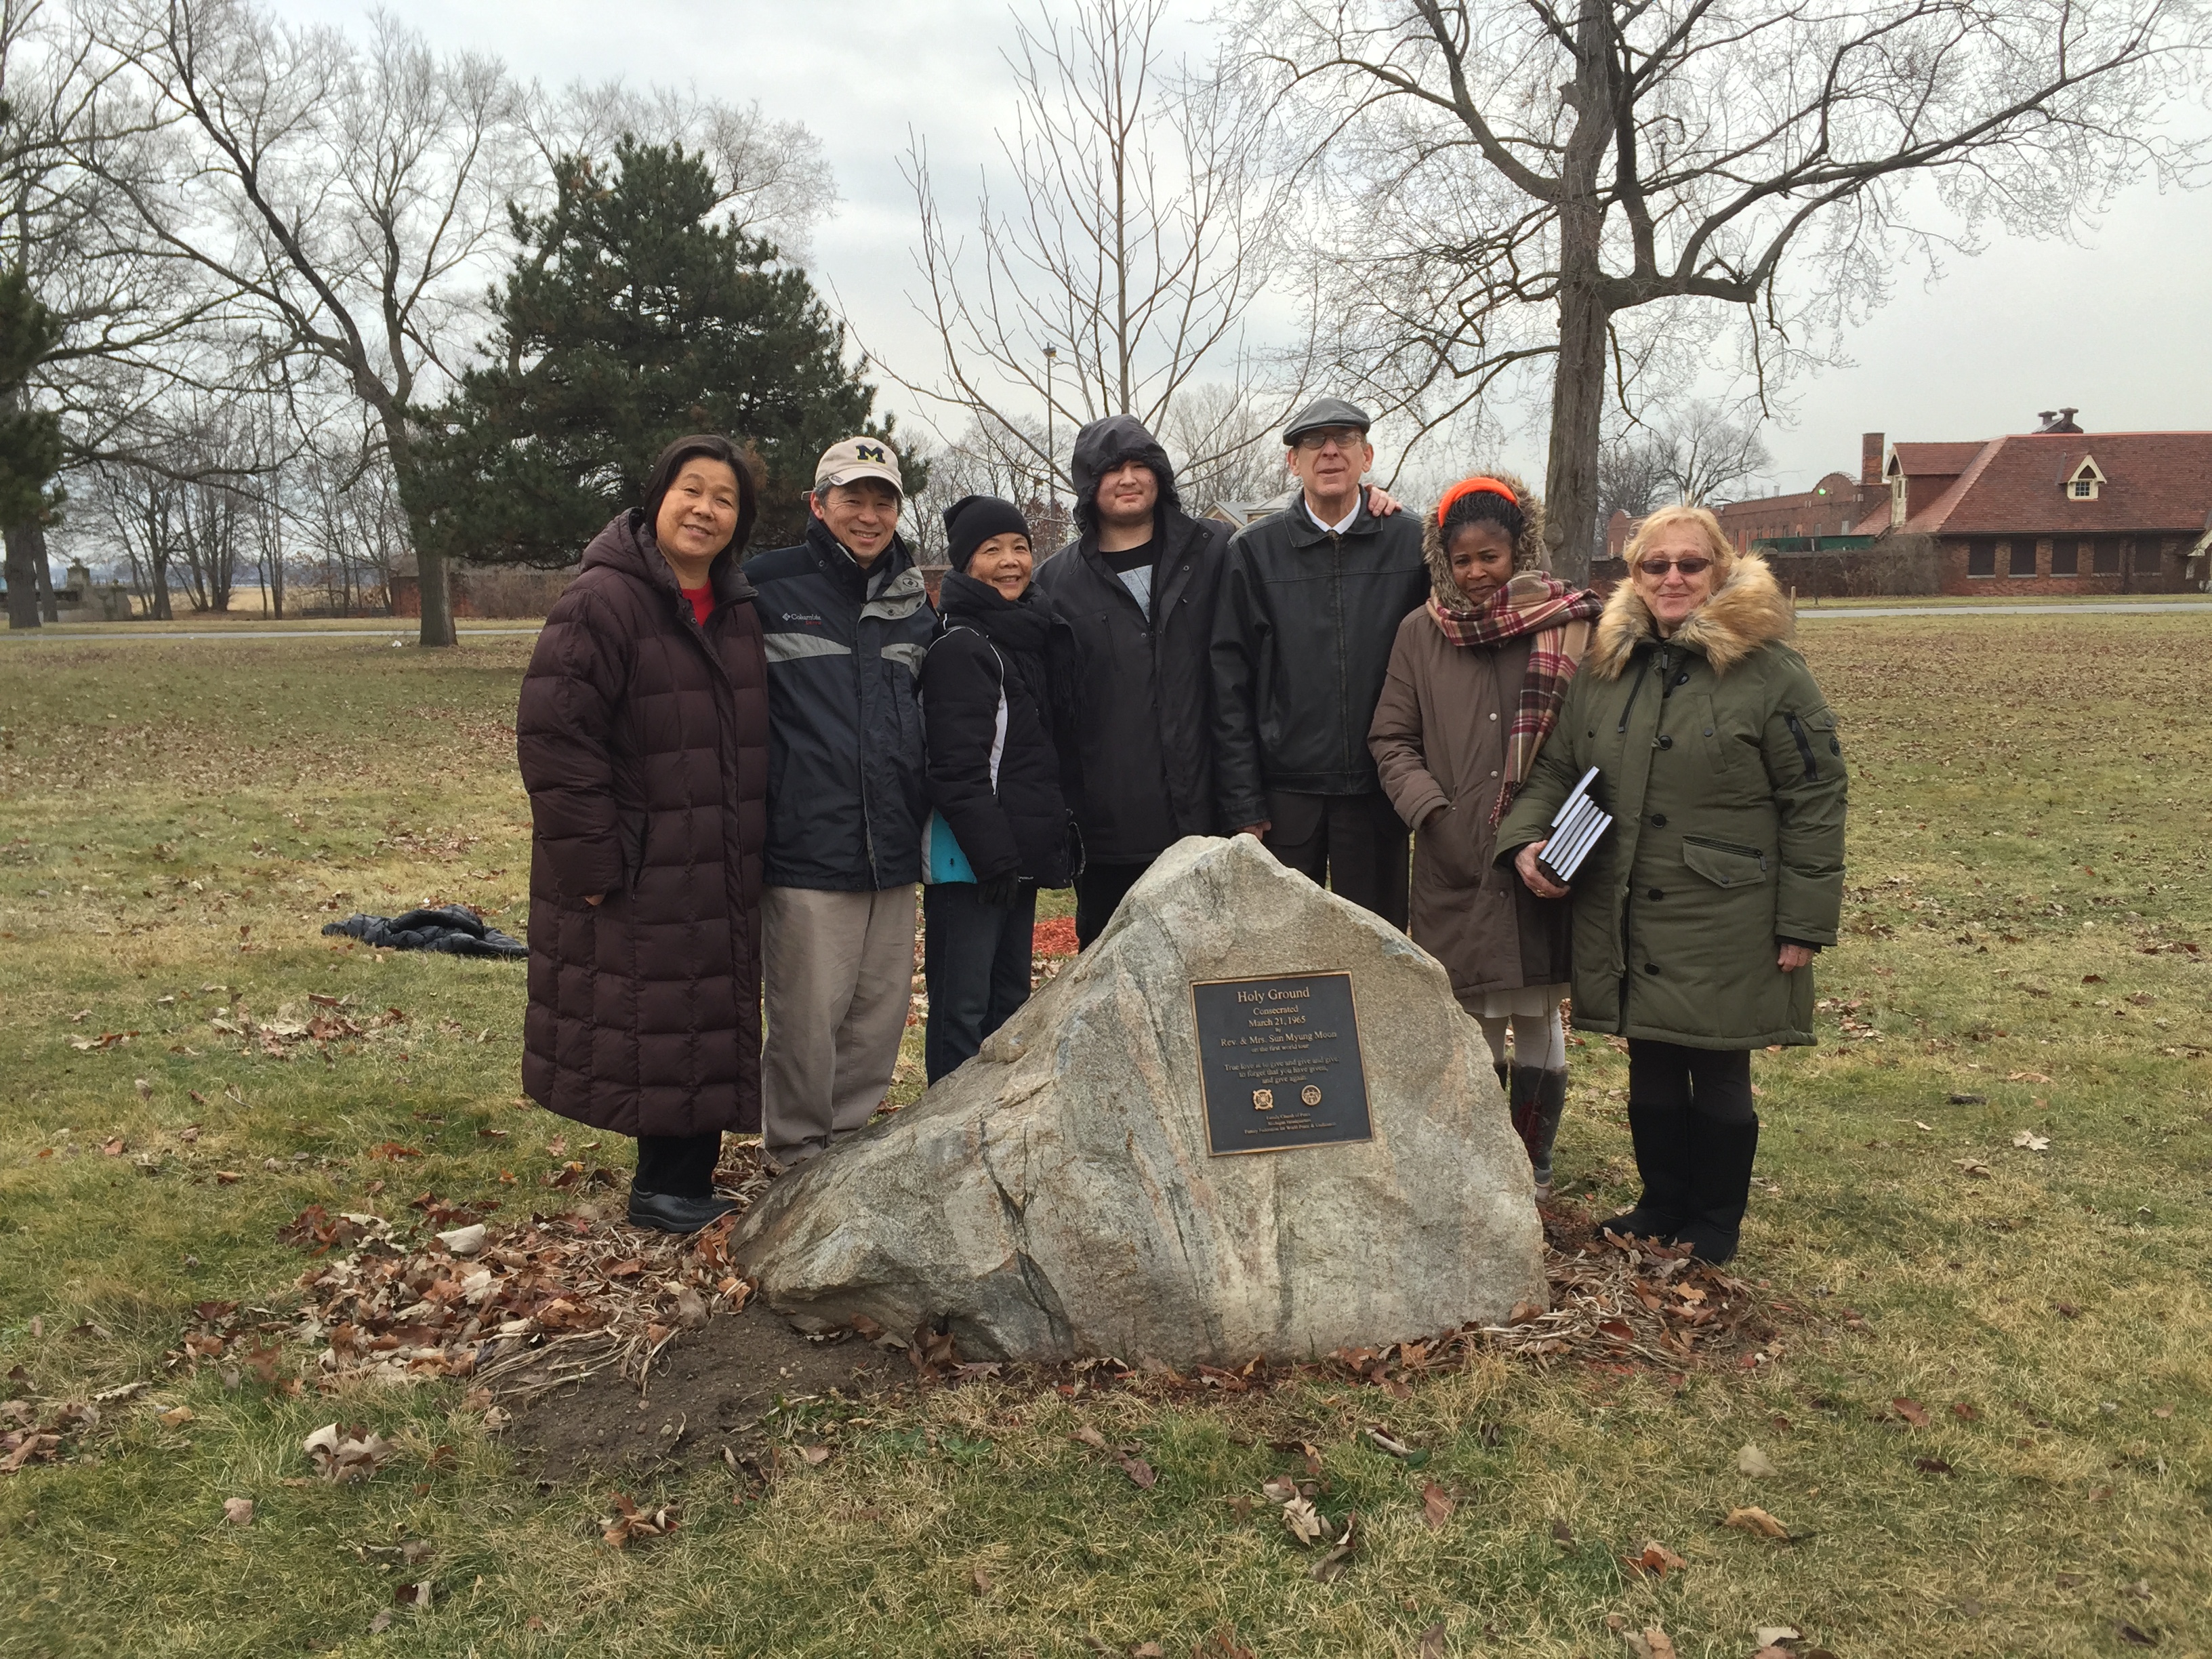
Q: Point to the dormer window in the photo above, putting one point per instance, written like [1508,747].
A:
[2084,480]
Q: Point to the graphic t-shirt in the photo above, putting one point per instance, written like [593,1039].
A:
[702,602]
[1133,565]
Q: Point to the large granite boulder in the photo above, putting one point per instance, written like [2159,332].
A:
[1056,1196]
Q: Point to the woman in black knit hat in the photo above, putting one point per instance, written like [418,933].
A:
[1000,826]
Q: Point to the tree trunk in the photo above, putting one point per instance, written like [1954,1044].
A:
[22,578]
[1578,382]
[42,568]
[432,579]
[1577,403]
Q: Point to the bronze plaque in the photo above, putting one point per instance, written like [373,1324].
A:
[1279,1061]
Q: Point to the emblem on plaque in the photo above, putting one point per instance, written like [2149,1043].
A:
[1263,1100]
[1310,1095]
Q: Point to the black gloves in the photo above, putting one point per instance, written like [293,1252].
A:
[1000,892]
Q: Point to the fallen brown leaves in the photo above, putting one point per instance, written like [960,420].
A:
[1654,1559]
[29,1434]
[349,1454]
[527,1307]
[1436,1505]
[629,1523]
[1753,1519]
[1650,1643]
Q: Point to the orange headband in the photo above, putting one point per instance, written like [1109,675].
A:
[1472,487]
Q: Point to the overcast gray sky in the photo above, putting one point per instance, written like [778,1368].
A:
[2117,327]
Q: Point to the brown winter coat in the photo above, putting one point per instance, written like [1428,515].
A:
[643,741]
[1438,739]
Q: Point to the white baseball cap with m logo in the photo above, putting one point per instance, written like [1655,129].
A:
[853,458]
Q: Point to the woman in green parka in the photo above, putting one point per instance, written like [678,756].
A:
[1696,917]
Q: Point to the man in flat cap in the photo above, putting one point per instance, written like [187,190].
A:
[845,619]
[1310,601]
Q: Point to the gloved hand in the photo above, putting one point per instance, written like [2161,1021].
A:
[1000,892]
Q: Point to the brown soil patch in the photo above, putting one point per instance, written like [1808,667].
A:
[708,1390]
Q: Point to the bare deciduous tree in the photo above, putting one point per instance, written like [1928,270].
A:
[132,323]
[773,180]
[1527,177]
[1131,236]
[1225,448]
[1708,452]
[351,199]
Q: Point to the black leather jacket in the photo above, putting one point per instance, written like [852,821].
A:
[1301,640]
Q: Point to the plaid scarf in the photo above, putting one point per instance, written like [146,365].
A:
[1532,603]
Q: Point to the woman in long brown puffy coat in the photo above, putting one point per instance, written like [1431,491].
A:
[1476,679]
[643,736]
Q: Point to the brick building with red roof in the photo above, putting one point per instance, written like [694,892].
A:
[2057,511]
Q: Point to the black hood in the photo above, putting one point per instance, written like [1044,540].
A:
[1105,444]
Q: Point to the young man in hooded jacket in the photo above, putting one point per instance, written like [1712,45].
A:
[1136,589]
[845,620]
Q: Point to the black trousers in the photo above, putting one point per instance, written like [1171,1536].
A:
[680,1166]
[1714,1083]
[975,960]
[1099,892]
[1355,844]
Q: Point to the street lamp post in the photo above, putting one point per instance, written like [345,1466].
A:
[1051,467]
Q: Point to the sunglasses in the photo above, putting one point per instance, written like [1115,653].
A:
[1689,567]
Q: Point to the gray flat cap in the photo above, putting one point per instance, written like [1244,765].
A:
[1325,412]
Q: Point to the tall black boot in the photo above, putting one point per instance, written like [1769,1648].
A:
[1539,1100]
[1720,1187]
[1662,1134]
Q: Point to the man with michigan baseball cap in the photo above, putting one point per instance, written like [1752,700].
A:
[845,619]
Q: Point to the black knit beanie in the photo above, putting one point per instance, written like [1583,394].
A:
[974,520]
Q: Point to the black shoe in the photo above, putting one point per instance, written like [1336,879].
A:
[1538,1101]
[1504,1075]
[1720,1189]
[1662,1134]
[666,1213]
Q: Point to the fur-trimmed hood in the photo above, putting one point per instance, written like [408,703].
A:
[1528,552]
[1747,610]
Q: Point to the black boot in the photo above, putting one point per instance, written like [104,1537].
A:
[1662,1134]
[1504,1075]
[1539,1100]
[1720,1187]
[666,1213]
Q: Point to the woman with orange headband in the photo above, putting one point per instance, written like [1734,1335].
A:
[1476,680]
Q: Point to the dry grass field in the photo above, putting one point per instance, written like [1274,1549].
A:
[1983,1199]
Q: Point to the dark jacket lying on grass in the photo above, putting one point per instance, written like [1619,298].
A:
[456,931]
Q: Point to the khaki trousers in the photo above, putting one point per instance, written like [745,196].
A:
[836,975]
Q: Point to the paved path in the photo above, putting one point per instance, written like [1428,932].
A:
[1807,612]
[1844,613]
[69,631]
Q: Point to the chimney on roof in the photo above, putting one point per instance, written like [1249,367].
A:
[1871,445]
[2057,420]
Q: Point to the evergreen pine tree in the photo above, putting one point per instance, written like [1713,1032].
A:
[30,439]
[630,320]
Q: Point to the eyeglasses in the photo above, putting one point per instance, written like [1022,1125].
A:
[1689,567]
[1346,438]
